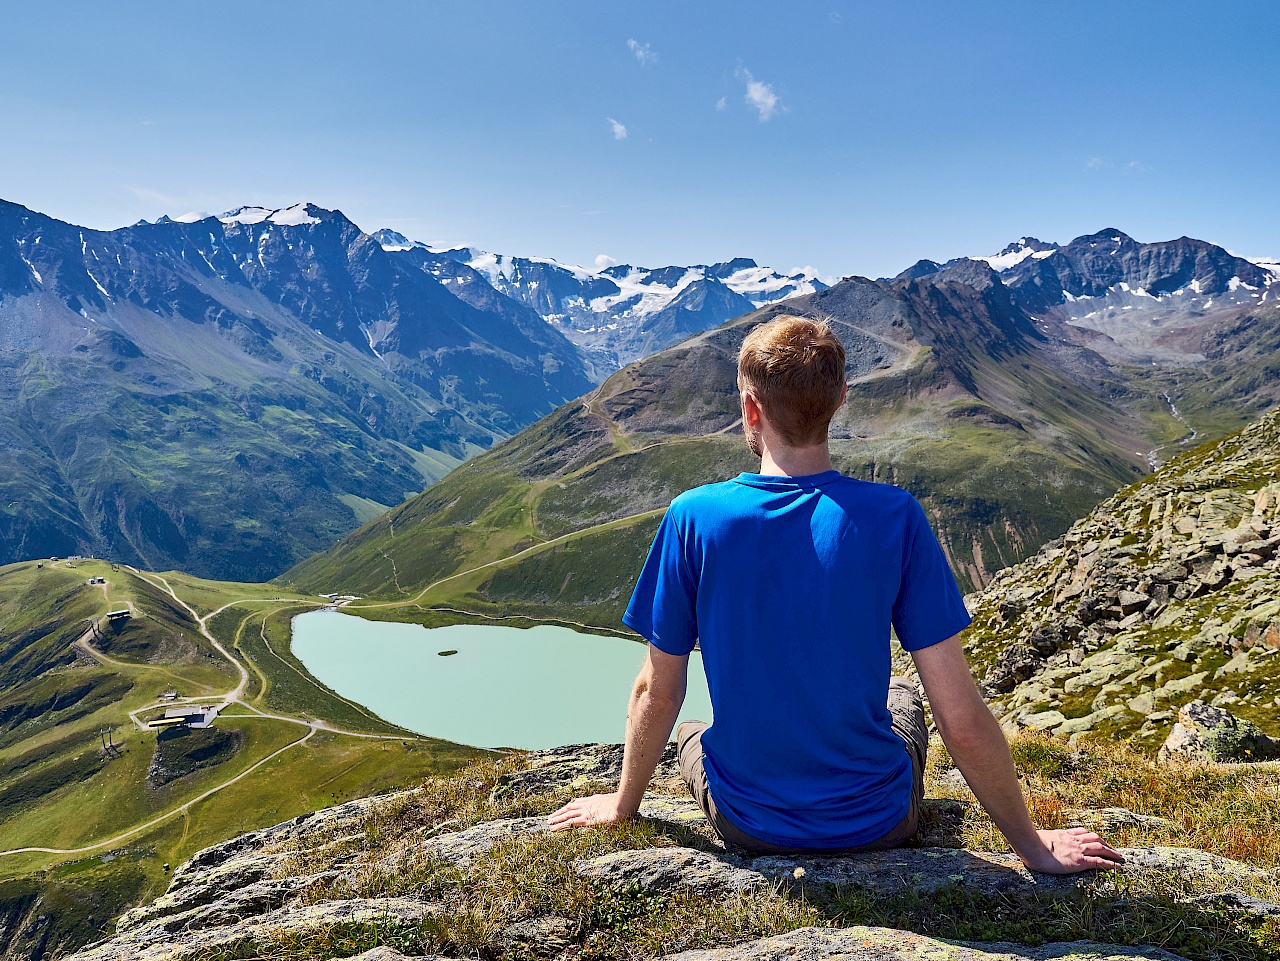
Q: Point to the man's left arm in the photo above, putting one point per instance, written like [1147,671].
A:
[655,703]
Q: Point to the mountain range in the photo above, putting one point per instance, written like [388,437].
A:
[1007,418]
[229,394]
[232,394]
[617,313]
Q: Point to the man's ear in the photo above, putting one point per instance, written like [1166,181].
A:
[751,410]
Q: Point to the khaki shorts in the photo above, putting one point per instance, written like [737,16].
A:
[906,710]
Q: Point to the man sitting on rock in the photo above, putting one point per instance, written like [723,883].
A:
[790,580]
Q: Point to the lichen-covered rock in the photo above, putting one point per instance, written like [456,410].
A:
[153,943]
[886,944]
[1135,608]
[664,869]
[1206,733]
[388,954]
[238,873]
[545,936]
[315,873]
[575,767]
[882,873]
[461,847]
[1114,819]
[1238,903]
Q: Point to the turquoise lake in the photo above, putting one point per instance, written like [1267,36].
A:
[506,687]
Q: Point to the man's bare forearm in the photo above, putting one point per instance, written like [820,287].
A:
[982,755]
[650,718]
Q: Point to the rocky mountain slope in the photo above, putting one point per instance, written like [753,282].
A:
[465,867]
[1003,423]
[619,313]
[1167,592]
[1130,301]
[228,395]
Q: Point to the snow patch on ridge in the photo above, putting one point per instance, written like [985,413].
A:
[34,272]
[1016,253]
[294,216]
[1005,261]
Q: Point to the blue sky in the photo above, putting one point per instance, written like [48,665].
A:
[853,136]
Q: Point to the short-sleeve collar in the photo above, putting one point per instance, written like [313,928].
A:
[783,482]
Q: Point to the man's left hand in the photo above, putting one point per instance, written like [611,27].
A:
[596,809]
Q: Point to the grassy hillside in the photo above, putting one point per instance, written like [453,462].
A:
[90,830]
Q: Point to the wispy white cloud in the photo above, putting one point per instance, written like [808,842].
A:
[722,103]
[760,95]
[619,130]
[604,262]
[643,52]
[1131,167]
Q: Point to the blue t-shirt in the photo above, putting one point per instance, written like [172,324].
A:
[791,585]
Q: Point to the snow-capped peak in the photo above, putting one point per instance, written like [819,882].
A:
[294,216]
[394,240]
[1271,265]
[1018,251]
[607,307]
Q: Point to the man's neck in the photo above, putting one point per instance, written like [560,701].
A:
[795,461]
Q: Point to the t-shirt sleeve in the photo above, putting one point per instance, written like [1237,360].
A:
[663,607]
[929,607]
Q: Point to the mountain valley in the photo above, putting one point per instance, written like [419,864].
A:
[1015,406]
[1007,425]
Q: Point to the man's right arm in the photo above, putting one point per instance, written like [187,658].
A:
[978,746]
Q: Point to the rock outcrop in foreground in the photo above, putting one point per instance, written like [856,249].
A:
[1165,593]
[382,871]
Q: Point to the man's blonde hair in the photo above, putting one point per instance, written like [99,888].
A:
[795,369]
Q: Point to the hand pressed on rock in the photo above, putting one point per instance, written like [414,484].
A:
[1071,851]
[596,809]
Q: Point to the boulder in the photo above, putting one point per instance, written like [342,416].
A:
[886,944]
[152,943]
[1132,601]
[1212,734]
[665,869]
[922,871]
[1016,663]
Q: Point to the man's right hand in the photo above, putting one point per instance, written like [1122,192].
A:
[1071,851]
